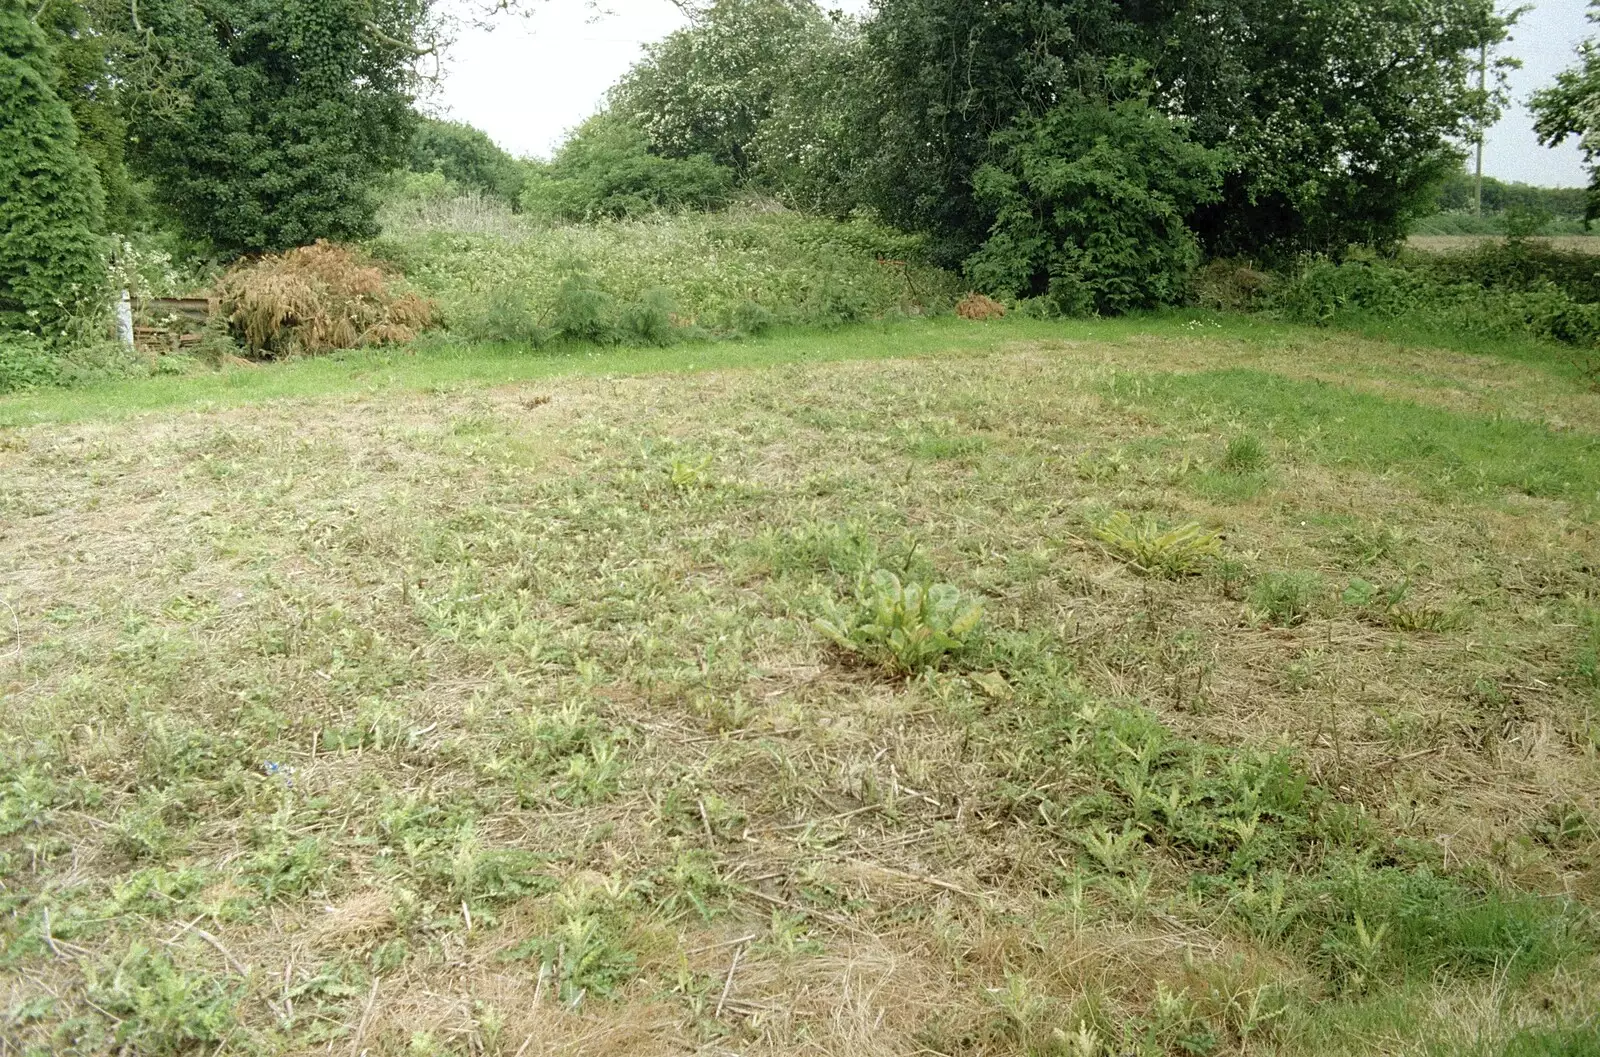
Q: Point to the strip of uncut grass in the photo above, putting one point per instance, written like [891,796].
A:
[1563,361]
[1456,453]
[448,364]
[451,365]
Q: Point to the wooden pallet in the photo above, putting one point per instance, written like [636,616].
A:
[180,316]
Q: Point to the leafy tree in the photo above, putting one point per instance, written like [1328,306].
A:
[265,124]
[88,85]
[944,77]
[1339,115]
[809,149]
[607,169]
[1571,107]
[50,202]
[710,88]
[468,156]
[1090,201]
[1342,115]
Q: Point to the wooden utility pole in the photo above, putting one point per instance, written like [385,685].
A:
[1483,93]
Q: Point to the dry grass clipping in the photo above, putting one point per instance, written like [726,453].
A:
[979,306]
[1230,286]
[319,298]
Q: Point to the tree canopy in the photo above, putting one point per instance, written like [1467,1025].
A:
[607,169]
[89,84]
[1571,107]
[265,124]
[1336,117]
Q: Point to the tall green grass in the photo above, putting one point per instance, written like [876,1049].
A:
[718,271]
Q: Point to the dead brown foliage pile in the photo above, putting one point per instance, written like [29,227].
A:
[1231,286]
[979,306]
[319,298]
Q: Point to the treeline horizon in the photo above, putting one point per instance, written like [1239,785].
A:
[1090,152]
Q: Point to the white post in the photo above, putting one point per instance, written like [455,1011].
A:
[125,320]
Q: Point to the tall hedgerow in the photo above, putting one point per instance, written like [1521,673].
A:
[50,200]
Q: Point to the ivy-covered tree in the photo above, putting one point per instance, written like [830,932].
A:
[945,76]
[1339,115]
[265,124]
[51,263]
[1571,107]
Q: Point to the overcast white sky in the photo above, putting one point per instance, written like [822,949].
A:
[529,80]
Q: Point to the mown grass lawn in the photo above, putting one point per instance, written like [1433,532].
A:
[479,702]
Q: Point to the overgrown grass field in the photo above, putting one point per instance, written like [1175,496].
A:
[1161,686]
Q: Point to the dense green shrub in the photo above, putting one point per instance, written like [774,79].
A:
[26,361]
[608,170]
[751,319]
[584,312]
[1508,290]
[651,320]
[468,157]
[1325,290]
[1089,204]
[505,314]
[1516,264]
[51,261]
[739,271]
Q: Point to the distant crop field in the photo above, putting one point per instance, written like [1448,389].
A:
[1085,689]
[1447,243]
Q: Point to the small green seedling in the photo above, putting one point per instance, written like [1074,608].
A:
[686,474]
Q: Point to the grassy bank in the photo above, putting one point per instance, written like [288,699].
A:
[496,274]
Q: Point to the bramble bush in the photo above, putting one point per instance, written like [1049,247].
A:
[28,361]
[25,361]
